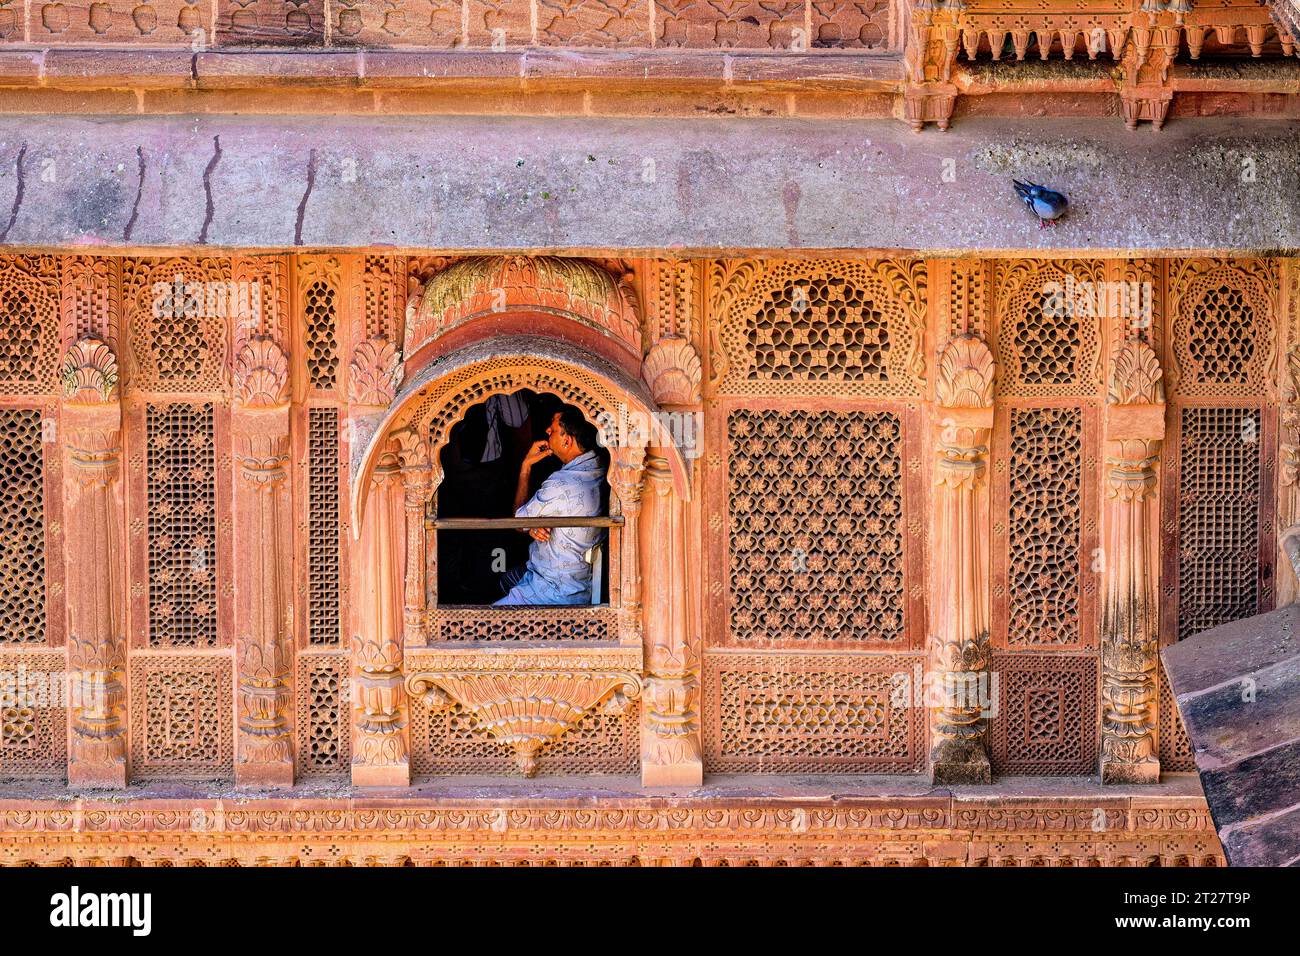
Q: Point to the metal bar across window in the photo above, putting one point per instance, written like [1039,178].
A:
[480,524]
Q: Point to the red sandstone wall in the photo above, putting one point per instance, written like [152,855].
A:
[812,541]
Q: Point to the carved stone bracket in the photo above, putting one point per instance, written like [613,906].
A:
[90,375]
[527,700]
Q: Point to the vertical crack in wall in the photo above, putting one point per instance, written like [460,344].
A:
[207,189]
[302,203]
[18,193]
[139,191]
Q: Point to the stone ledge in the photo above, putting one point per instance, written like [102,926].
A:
[237,69]
[580,824]
[1235,687]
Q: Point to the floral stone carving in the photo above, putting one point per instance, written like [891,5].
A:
[532,703]
[90,373]
[673,372]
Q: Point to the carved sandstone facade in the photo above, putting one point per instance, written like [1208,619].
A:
[867,516]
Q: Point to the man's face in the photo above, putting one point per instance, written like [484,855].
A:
[556,437]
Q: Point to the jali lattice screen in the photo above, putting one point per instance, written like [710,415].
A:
[324,574]
[817,526]
[1220,570]
[22,516]
[182,521]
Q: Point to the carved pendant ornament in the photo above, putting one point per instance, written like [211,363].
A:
[524,709]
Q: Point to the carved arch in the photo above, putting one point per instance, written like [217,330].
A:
[501,689]
[822,326]
[491,286]
[1224,322]
[438,396]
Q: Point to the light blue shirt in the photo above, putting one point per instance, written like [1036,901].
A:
[557,571]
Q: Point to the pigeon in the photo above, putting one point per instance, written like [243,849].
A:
[1044,203]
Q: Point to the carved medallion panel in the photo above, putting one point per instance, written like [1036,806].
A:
[181,715]
[731,24]
[1046,719]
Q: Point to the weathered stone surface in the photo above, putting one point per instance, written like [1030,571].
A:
[1237,690]
[467,183]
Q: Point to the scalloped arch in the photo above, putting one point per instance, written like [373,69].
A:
[439,395]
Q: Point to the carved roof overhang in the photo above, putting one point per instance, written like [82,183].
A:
[1093,27]
[437,396]
[489,286]
[1287,13]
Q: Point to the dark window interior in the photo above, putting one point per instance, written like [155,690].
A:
[470,562]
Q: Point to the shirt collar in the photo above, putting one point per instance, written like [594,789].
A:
[581,458]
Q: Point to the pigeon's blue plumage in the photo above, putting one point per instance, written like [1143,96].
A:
[1044,203]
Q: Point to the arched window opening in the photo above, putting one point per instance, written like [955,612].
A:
[522,515]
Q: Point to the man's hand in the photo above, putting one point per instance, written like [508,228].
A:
[540,534]
[539,450]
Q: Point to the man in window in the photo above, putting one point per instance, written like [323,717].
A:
[557,571]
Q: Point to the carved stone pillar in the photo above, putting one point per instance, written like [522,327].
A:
[418,484]
[379,700]
[959,649]
[259,425]
[626,476]
[1135,424]
[670,729]
[92,509]
[1288,502]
